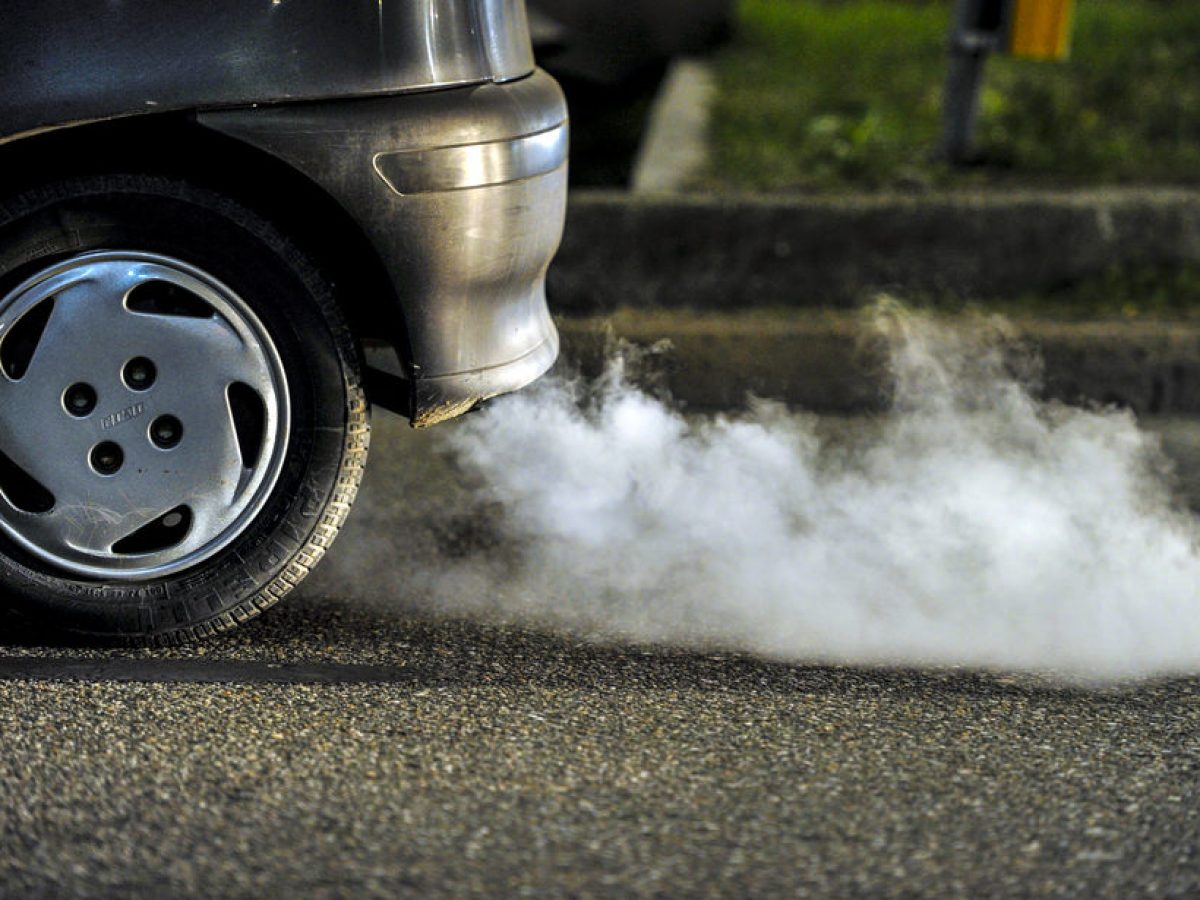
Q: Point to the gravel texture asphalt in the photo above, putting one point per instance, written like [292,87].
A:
[351,742]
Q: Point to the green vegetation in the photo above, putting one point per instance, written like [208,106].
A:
[1125,292]
[820,95]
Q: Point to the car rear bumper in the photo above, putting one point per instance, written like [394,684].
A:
[462,193]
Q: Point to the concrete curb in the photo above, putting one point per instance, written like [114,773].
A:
[675,146]
[730,253]
[832,363]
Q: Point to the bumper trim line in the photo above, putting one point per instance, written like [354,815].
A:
[466,166]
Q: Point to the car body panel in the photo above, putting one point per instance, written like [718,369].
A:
[463,195]
[69,61]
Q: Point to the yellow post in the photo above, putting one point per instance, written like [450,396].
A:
[1041,29]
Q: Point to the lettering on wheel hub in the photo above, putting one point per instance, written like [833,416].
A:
[124,415]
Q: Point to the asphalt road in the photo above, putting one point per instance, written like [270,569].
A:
[355,742]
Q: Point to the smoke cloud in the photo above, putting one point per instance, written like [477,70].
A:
[971,524]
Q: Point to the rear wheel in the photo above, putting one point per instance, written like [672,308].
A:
[182,422]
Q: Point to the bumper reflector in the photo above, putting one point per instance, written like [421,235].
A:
[465,166]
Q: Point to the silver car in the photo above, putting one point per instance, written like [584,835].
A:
[205,211]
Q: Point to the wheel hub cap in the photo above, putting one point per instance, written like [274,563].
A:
[143,415]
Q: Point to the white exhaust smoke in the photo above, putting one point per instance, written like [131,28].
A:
[970,525]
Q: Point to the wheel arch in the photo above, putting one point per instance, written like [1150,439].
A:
[176,145]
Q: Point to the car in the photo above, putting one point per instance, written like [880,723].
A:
[611,59]
[607,43]
[206,212]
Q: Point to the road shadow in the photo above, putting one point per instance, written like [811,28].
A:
[121,669]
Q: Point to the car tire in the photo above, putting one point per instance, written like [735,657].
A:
[183,426]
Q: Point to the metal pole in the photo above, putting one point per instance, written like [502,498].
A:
[975,33]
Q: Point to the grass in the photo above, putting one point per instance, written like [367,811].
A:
[1123,292]
[827,95]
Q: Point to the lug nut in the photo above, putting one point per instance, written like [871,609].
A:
[139,374]
[107,458]
[79,399]
[166,432]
